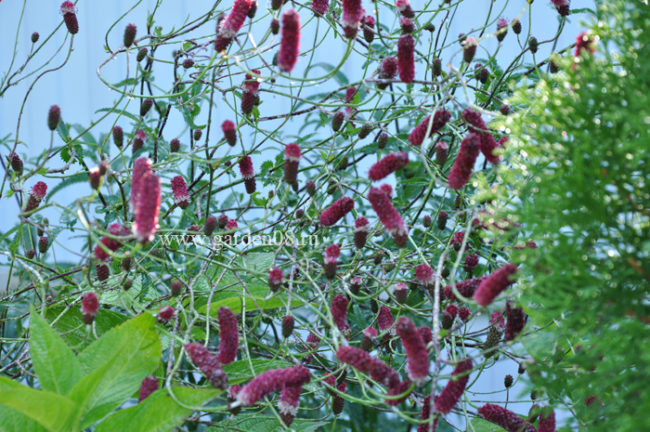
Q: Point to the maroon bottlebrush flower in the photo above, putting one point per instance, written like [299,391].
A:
[398,390]
[148,386]
[129,34]
[174,145]
[425,274]
[320,6]
[176,288]
[494,284]
[442,152]
[546,421]
[502,29]
[291,161]
[30,253]
[332,254]
[35,196]
[469,49]
[388,215]
[70,17]
[406,58]
[448,316]
[425,414]
[16,162]
[339,311]
[210,225]
[351,17]
[140,167]
[361,228]
[288,405]
[228,334]
[208,364]
[454,389]
[249,96]
[387,189]
[290,43]
[464,313]
[464,163]
[584,42]
[222,221]
[146,106]
[188,63]
[441,221]
[166,313]
[94,178]
[43,244]
[228,128]
[407,25]
[138,140]
[275,279]
[497,320]
[100,253]
[147,208]
[425,334]
[505,418]
[466,288]
[404,8]
[368,339]
[516,320]
[288,323]
[385,320]
[232,24]
[89,307]
[388,68]
[516,26]
[338,403]
[417,356]
[336,211]
[349,98]
[364,362]
[400,291]
[388,165]
[275,26]
[118,136]
[35,36]
[368,25]
[419,133]
[471,261]
[457,239]
[179,188]
[487,146]
[272,381]
[247,173]
[562,6]
[54,116]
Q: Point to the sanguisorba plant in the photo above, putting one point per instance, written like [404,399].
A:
[302,251]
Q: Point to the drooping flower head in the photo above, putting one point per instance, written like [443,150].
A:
[232,24]
[228,335]
[336,211]
[208,364]
[419,133]
[417,357]
[494,284]
[454,389]
[464,163]
[179,189]
[290,43]
[406,58]
[364,362]
[505,418]
[388,215]
[272,381]
[388,165]
[147,208]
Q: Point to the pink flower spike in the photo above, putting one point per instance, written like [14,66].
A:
[70,17]
[406,58]
[361,228]
[336,211]
[291,161]
[208,365]
[516,320]
[505,418]
[320,6]
[339,311]
[364,362]
[385,320]
[464,163]
[147,208]
[140,167]
[425,274]
[89,307]
[387,189]
[425,414]
[229,132]
[272,381]
[494,284]
[388,68]
[388,165]
[166,313]
[35,197]
[288,405]
[419,133]
[247,173]
[454,389]
[149,385]
[181,195]
[466,288]
[275,279]
[417,356]
[235,19]
[546,421]
[290,43]
[228,334]
[351,17]
[398,390]
[388,216]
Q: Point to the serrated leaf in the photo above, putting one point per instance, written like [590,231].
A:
[55,365]
[159,412]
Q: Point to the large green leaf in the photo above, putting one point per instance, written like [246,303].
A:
[11,421]
[159,412]
[52,411]
[70,325]
[55,364]
[115,365]
[265,424]
[480,425]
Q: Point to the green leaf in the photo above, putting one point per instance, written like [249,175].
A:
[252,303]
[52,411]
[480,425]
[11,421]
[159,412]
[259,423]
[114,366]
[55,364]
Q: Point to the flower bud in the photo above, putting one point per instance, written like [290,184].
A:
[310,187]
[129,34]
[30,253]
[291,161]
[337,120]
[142,53]
[406,58]
[176,288]
[361,228]
[43,244]
[210,225]
[275,279]
[532,44]
[247,173]
[16,163]
[469,49]
[407,25]
[516,26]
[288,323]
[166,313]
[253,10]
[436,67]
[35,196]
[94,177]
[128,283]
[149,385]
[368,25]
[89,307]
[365,130]
[145,106]
[502,29]
[54,116]
[382,140]
[275,26]
[507,381]
[35,37]
[400,291]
